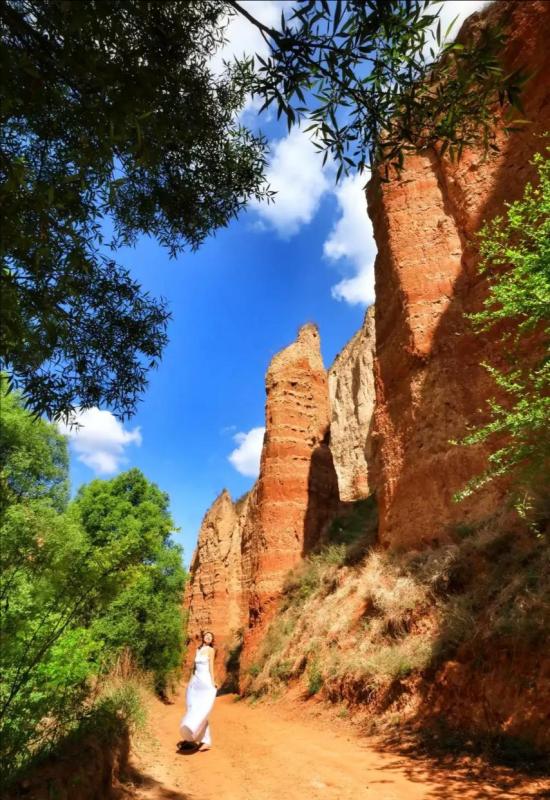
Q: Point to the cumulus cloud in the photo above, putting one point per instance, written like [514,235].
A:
[99,439]
[296,173]
[352,242]
[351,239]
[243,38]
[246,457]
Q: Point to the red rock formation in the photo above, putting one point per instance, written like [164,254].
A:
[213,593]
[429,380]
[297,489]
[351,389]
[243,554]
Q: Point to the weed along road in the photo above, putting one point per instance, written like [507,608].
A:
[297,751]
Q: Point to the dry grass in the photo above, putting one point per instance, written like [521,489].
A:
[374,625]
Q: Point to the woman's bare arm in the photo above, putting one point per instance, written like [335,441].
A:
[211,654]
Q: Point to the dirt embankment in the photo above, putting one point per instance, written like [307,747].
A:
[88,769]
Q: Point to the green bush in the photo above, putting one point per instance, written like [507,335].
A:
[281,671]
[314,678]
[301,583]
[515,255]
[146,614]
[354,532]
[350,526]
[81,583]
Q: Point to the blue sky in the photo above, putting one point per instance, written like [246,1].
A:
[235,303]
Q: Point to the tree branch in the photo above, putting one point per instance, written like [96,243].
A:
[264,29]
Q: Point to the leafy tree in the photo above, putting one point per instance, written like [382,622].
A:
[47,654]
[374,85]
[73,578]
[146,616]
[110,118]
[515,251]
[33,456]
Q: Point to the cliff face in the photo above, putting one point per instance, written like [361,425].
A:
[352,394]
[429,380]
[459,619]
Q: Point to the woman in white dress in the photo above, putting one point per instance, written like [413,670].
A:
[201,693]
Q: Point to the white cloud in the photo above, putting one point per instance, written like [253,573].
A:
[296,174]
[246,457]
[100,439]
[243,38]
[352,241]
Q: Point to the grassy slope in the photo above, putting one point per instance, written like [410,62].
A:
[458,634]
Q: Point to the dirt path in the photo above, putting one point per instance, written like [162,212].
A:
[283,752]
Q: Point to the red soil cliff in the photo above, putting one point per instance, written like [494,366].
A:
[213,593]
[429,385]
[297,490]
[429,380]
[243,554]
[352,395]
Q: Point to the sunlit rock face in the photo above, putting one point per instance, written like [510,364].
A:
[430,382]
[297,490]
[214,591]
[352,396]
[244,552]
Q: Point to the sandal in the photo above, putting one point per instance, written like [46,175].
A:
[186,746]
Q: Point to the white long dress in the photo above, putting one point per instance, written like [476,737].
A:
[199,699]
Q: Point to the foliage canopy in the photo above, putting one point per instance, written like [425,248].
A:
[112,126]
[374,84]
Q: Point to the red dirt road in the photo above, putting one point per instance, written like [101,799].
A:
[296,752]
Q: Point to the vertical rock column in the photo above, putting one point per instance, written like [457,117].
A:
[297,490]
[213,594]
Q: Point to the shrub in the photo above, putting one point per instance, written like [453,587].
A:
[314,678]
[281,671]
[301,583]
[515,255]
[348,527]
[355,530]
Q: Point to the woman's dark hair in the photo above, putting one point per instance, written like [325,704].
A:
[204,633]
